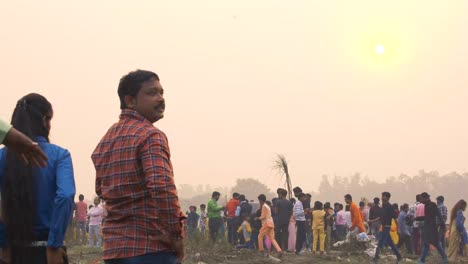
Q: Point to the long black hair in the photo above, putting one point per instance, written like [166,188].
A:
[32,117]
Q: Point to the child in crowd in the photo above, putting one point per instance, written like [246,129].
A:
[246,231]
[203,217]
[192,221]
[318,227]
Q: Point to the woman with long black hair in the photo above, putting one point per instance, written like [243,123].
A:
[36,202]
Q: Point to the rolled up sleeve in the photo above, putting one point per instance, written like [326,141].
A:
[4,128]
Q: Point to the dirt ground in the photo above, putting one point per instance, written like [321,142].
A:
[203,252]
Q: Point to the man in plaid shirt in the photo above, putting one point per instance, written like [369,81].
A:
[134,176]
[442,220]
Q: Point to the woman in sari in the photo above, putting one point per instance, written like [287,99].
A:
[458,239]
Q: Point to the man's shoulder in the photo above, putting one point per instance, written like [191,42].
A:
[133,128]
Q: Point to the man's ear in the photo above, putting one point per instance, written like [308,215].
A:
[130,101]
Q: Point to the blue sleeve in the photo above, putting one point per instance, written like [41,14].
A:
[460,222]
[63,204]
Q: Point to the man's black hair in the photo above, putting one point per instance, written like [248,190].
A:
[262,198]
[130,84]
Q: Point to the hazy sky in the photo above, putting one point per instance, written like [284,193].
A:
[247,79]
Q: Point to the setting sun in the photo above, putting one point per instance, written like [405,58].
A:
[380,49]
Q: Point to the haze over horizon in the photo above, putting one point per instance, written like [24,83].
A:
[245,80]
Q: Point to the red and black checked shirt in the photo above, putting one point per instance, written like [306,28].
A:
[134,176]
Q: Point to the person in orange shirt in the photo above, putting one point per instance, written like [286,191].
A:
[356,218]
[268,226]
[232,224]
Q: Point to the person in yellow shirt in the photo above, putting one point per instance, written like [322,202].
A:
[246,231]
[318,227]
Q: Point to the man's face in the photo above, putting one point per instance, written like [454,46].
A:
[149,102]
[384,199]
[216,197]
[96,201]
[348,201]
[424,200]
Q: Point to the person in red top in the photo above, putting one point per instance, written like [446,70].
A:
[134,176]
[356,218]
[232,224]
[81,218]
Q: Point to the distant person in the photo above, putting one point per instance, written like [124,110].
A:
[244,208]
[36,203]
[135,177]
[95,218]
[292,230]
[375,218]
[256,225]
[340,223]
[203,219]
[349,223]
[214,216]
[284,211]
[329,225]
[192,221]
[308,216]
[442,220]
[458,239]
[420,212]
[357,224]
[297,190]
[318,227]
[87,218]
[430,235]
[245,231]
[396,208]
[388,214]
[417,225]
[232,225]
[404,228]
[299,214]
[29,152]
[364,213]
[80,217]
[268,226]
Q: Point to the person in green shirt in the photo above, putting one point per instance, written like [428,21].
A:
[30,152]
[214,216]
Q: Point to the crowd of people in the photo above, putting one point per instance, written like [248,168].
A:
[296,225]
[85,225]
[143,222]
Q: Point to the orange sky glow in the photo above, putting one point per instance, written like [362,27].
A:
[244,80]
